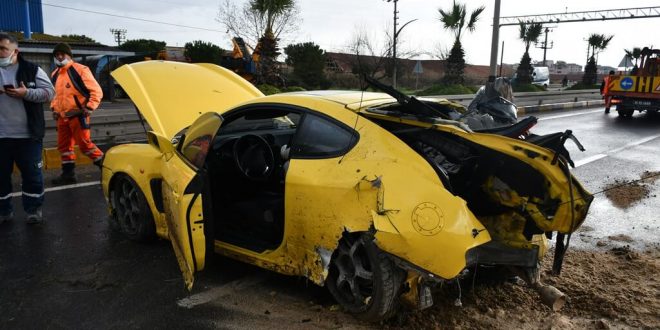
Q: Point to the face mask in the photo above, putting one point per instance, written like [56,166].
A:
[5,61]
[61,63]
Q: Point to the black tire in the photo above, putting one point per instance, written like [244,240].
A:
[364,280]
[131,211]
[625,112]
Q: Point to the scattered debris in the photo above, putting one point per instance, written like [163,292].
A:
[621,238]
[608,290]
[624,194]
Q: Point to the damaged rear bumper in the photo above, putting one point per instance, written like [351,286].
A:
[495,253]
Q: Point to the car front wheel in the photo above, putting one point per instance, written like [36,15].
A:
[363,279]
[131,211]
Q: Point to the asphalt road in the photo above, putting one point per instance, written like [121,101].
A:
[73,272]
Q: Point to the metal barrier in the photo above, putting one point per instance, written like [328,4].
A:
[118,122]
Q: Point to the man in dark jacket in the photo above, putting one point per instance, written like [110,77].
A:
[25,87]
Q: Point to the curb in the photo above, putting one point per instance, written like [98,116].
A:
[559,106]
[51,157]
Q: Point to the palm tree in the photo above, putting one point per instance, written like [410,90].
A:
[529,33]
[597,42]
[455,21]
[271,10]
[634,54]
[267,49]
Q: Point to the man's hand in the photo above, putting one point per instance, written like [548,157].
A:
[56,115]
[18,92]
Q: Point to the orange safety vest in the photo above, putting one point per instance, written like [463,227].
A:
[75,85]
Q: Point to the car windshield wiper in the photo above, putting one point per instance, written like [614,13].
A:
[410,104]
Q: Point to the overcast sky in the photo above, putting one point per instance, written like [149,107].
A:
[332,23]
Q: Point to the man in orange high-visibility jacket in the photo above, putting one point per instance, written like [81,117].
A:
[77,94]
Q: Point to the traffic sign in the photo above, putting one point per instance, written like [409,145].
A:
[627,83]
[418,68]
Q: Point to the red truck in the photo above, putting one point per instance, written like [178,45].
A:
[639,90]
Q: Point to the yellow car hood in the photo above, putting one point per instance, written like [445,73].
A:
[170,104]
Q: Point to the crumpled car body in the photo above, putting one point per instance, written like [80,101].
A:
[331,185]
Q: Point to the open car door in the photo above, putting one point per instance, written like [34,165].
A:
[184,177]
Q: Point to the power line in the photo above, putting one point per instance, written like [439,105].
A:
[128,17]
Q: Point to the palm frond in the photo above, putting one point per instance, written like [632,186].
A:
[474,17]
[605,41]
[534,32]
[522,30]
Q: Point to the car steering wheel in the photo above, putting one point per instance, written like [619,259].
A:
[253,156]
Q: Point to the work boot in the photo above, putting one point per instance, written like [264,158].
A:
[35,217]
[607,110]
[6,217]
[68,175]
[99,162]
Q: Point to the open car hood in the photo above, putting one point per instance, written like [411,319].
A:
[169,104]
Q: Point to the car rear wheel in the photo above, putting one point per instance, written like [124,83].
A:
[363,279]
[131,211]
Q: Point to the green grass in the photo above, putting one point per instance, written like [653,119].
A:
[448,90]
[580,86]
[527,88]
[268,89]
[293,89]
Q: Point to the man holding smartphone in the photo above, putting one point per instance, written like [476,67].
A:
[25,87]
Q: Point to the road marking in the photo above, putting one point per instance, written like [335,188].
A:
[70,186]
[220,292]
[613,151]
[571,115]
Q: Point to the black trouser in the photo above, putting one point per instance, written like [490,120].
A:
[26,153]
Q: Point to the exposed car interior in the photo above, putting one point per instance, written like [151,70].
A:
[246,168]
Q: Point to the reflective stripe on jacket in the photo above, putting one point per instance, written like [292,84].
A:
[65,91]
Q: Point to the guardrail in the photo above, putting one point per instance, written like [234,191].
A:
[119,123]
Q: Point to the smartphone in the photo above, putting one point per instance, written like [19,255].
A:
[6,87]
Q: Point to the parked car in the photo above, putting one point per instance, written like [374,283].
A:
[379,198]
[541,76]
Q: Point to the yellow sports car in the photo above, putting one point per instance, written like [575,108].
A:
[379,197]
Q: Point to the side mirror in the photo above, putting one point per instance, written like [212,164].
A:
[161,143]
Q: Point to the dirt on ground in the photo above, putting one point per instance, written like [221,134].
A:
[617,288]
[613,288]
[624,194]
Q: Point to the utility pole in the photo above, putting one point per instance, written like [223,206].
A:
[544,45]
[588,45]
[120,35]
[394,37]
[494,42]
[502,58]
[394,43]
[396,18]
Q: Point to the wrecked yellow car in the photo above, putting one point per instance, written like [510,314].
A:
[379,198]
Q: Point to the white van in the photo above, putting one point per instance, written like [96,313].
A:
[541,76]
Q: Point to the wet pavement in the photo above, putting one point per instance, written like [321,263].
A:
[617,149]
[73,272]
